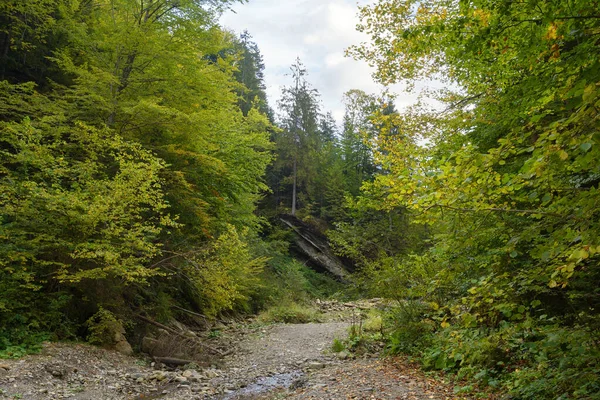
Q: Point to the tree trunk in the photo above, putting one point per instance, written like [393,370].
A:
[294,189]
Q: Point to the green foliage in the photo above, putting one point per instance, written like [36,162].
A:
[32,318]
[290,313]
[411,327]
[27,342]
[338,346]
[61,184]
[102,327]
[365,334]
[225,275]
[286,280]
[129,174]
[251,74]
[508,185]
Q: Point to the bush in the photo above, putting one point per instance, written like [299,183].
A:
[28,319]
[102,328]
[338,346]
[226,274]
[528,360]
[411,329]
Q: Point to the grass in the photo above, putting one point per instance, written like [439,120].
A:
[290,313]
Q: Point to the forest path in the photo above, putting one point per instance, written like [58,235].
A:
[295,361]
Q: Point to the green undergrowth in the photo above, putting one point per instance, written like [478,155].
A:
[286,280]
[365,334]
[30,321]
[532,359]
[290,287]
[292,313]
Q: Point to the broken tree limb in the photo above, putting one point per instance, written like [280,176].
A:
[199,315]
[180,334]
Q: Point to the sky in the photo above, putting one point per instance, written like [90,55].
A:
[317,31]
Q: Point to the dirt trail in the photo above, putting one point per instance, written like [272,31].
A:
[273,362]
[295,362]
[278,357]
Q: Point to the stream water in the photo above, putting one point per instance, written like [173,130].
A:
[265,384]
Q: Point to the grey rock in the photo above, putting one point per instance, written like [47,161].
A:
[314,365]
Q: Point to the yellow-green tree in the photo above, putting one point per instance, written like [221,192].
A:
[125,160]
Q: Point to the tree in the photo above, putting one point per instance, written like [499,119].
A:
[300,136]
[509,181]
[358,131]
[126,156]
[250,74]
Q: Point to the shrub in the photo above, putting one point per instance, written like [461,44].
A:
[102,328]
[338,346]
[411,329]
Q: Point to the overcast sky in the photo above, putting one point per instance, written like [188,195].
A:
[317,31]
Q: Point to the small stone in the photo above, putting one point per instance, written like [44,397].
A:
[315,365]
[5,367]
[180,379]
[159,376]
[209,373]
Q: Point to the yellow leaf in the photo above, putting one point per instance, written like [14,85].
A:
[445,325]
[551,33]
[563,155]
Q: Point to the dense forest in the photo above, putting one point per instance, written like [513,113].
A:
[143,172]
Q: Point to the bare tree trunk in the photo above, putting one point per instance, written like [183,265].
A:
[294,189]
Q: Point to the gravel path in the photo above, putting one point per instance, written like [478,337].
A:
[281,355]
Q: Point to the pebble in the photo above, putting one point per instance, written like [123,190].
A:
[315,365]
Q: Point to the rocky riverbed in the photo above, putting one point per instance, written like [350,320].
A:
[266,362]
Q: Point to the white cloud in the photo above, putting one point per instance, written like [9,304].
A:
[317,31]
[312,39]
[335,59]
